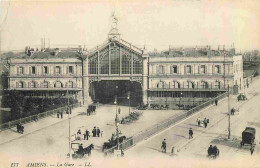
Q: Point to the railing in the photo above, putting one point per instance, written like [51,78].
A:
[164,124]
[125,145]
[24,120]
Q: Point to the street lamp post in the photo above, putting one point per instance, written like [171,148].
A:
[229,131]
[180,100]
[69,120]
[128,97]
[116,123]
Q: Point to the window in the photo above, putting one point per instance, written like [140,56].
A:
[204,85]
[217,84]
[20,85]
[126,64]
[174,69]
[58,70]
[161,84]
[160,69]
[45,70]
[58,85]
[115,61]
[137,65]
[203,69]
[175,84]
[70,84]
[190,84]
[33,84]
[45,84]
[20,70]
[188,69]
[217,69]
[70,69]
[33,69]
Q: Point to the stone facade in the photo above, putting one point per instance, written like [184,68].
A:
[192,72]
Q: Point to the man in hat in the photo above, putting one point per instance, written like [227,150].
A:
[94,131]
[205,122]
[164,146]
[98,131]
[190,133]
[86,135]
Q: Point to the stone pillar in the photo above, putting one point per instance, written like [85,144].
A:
[85,84]
[145,77]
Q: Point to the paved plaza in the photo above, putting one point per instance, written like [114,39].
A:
[49,136]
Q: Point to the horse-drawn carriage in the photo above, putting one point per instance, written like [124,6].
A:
[79,151]
[142,107]
[20,128]
[241,97]
[159,107]
[248,137]
[113,142]
[213,152]
[132,117]
[91,109]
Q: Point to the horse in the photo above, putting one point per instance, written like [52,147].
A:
[88,149]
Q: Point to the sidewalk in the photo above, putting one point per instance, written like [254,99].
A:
[11,134]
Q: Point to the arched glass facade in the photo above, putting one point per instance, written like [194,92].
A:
[115,59]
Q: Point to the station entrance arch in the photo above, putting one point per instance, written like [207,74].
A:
[106,90]
[113,69]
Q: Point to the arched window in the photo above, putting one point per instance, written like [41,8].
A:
[20,84]
[175,85]
[92,65]
[204,85]
[45,84]
[58,85]
[161,84]
[32,84]
[70,84]
[190,85]
[217,85]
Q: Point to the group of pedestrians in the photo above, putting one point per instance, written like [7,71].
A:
[96,132]
[59,114]
[204,122]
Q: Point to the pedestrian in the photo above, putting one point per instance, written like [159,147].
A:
[205,123]
[101,133]
[87,134]
[94,131]
[232,111]
[252,150]
[216,102]
[119,110]
[98,131]
[210,149]
[198,120]
[190,133]
[163,147]
[58,114]
[79,132]
[61,114]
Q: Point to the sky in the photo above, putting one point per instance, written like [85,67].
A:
[153,23]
